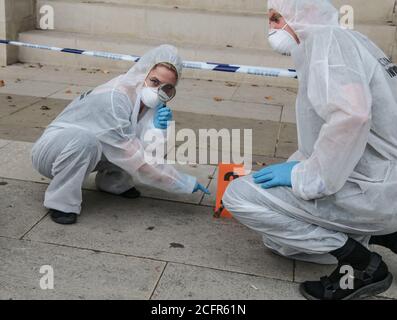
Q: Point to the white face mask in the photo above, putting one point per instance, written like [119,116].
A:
[150,97]
[282,41]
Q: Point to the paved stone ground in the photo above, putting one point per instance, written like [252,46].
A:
[161,246]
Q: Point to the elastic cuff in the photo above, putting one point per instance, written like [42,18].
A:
[62,207]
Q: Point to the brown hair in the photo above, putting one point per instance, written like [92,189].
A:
[169,66]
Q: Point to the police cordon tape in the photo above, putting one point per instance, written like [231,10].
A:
[252,70]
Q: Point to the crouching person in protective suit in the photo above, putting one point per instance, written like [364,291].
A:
[338,193]
[103,131]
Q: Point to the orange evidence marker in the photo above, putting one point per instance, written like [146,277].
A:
[226,174]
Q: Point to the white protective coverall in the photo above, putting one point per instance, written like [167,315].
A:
[346,182]
[102,131]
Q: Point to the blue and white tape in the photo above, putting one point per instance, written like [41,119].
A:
[259,71]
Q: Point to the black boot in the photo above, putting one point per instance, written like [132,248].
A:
[62,217]
[371,276]
[388,241]
[133,193]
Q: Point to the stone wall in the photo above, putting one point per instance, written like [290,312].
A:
[15,16]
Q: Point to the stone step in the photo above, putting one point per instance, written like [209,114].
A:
[372,11]
[128,45]
[201,27]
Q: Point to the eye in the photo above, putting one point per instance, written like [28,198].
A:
[155,82]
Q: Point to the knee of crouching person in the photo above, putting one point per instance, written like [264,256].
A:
[87,143]
[230,197]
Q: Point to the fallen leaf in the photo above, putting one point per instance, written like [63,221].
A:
[231,84]
[218,99]
[68,91]
[269,98]
[2,83]
[176,245]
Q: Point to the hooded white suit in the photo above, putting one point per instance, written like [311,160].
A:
[346,182]
[102,131]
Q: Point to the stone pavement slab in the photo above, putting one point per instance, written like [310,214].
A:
[31,88]
[29,123]
[264,94]
[20,206]
[216,105]
[264,133]
[207,89]
[78,274]
[3,143]
[38,115]
[71,92]
[15,162]
[167,231]
[11,103]
[182,282]
[57,74]
[289,113]
[91,77]
[11,132]
[287,141]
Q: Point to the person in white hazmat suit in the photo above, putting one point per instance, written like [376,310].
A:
[104,131]
[338,193]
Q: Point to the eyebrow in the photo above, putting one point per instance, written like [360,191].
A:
[154,78]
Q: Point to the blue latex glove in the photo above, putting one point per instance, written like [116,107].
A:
[162,116]
[200,187]
[278,175]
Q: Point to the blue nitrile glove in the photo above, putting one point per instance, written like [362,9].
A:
[200,187]
[162,116]
[278,175]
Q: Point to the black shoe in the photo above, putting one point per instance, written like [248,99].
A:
[62,217]
[388,241]
[133,193]
[373,280]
